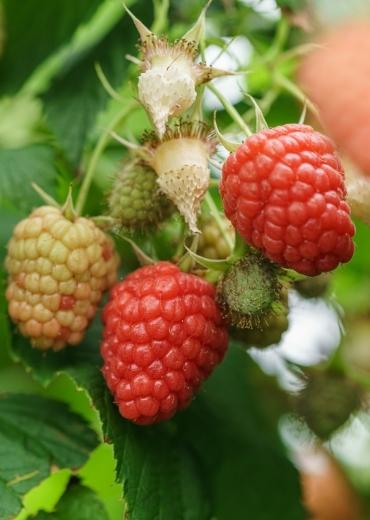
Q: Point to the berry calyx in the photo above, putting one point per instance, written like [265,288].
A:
[249,292]
[267,334]
[171,73]
[180,160]
[58,269]
[163,335]
[283,190]
[135,200]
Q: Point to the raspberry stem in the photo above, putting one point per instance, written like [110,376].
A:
[182,235]
[265,105]
[289,86]
[279,41]
[142,257]
[230,109]
[297,52]
[216,215]
[160,15]
[45,196]
[186,263]
[99,149]
[106,84]
[293,276]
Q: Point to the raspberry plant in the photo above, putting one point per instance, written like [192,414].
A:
[150,246]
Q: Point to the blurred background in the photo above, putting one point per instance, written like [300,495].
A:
[288,54]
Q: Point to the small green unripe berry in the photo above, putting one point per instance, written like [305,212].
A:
[250,291]
[212,243]
[313,287]
[327,401]
[136,201]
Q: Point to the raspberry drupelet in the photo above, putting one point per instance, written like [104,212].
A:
[163,336]
[283,190]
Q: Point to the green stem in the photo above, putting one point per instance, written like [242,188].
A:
[186,263]
[265,105]
[214,183]
[160,15]
[279,41]
[293,276]
[296,52]
[99,149]
[216,215]
[296,92]
[92,32]
[197,108]
[234,114]
[182,235]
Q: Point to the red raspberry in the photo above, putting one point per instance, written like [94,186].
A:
[283,190]
[336,77]
[163,336]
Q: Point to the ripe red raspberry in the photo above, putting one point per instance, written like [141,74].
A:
[283,190]
[163,336]
[336,77]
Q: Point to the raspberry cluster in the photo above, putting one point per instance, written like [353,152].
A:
[58,270]
[283,190]
[163,336]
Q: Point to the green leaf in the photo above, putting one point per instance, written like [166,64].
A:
[78,503]
[18,169]
[249,473]
[221,457]
[351,281]
[76,96]
[10,502]
[28,44]
[8,218]
[161,475]
[37,436]
[19,121]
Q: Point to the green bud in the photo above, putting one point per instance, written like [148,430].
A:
[136,201]
[249,293]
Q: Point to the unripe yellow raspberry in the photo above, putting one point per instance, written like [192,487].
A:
[213,243]
[58,270]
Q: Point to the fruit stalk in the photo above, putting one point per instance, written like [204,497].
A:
[99,149]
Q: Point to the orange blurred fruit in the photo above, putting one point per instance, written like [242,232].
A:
[336,77]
